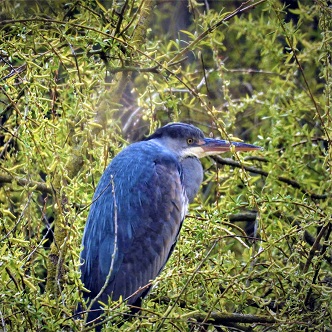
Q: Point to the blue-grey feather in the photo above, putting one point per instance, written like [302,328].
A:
[148,221]
[192,176]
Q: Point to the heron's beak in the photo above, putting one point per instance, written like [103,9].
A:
[213,146]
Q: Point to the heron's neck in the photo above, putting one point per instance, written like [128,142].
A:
[192,176]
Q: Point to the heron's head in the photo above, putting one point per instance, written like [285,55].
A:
[188,141]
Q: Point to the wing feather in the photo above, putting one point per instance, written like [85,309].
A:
[151,205]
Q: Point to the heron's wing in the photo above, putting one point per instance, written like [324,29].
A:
[150,208]
[99,236]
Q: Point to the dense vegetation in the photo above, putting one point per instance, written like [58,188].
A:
[80,80]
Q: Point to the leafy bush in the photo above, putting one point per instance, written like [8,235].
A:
[81,80]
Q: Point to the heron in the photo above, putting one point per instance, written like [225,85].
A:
[138,209]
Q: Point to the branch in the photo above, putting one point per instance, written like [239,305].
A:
[215,26]
[24,182]
[133,69]
[190,279]
[224,318]
[248,71]
[294,52]
[292,183]
[250,216]
[316,246]
[318,266]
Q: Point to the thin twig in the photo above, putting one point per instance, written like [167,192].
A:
[322,253]
[299,65]
[133,69]
[221,318]
[238,11]
[253,71]
[3,323]
[293,183]
[315,247]
[189,280]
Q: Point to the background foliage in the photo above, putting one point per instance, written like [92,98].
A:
[81,80]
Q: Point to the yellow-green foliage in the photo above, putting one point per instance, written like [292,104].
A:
[80,80]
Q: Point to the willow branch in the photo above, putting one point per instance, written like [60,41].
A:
[236,12]
[133,69]
[42,187]
[294,52]
[224,318]
[252,169]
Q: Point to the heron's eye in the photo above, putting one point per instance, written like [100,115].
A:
[190,141]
